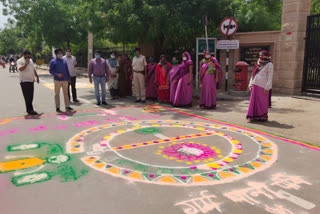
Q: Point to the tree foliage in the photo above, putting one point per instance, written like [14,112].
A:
[163,23]
[315,7]
[9,40]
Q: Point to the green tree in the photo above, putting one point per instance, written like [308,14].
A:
[10,40]
[315,7]
[258,15]
[57,22]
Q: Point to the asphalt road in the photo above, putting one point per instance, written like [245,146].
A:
[144,159]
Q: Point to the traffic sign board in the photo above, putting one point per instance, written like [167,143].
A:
[228,44]
[228,26]
[201,45]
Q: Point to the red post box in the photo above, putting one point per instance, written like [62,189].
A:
[241,76]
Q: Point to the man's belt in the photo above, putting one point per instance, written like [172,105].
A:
[99,76]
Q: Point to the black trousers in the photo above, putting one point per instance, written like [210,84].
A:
[73,88]
[113,92]
[27,90]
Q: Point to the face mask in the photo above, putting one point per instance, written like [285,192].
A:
[113,56]
[150,60]
[184,58]
[135,53]
[174,62]
[59,56]
[208,56]
[68,53]
[97,56]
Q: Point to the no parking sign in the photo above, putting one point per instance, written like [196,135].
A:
[228,27]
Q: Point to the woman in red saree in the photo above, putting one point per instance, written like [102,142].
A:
[162,79]
[151,87]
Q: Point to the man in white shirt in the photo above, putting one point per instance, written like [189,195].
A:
[27,75]
[139,67]
[72,62]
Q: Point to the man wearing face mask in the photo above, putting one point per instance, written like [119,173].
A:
[27,73]
[72,62]
[59,69]
[100,71]
[139,67]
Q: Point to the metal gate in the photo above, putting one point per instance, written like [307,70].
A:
[311,74]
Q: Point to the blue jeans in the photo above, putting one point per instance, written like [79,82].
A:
[100,81]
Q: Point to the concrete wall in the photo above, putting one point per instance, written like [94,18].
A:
[252,39]
[292,44]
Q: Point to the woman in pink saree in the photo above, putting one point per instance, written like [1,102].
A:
[260,86]
[210,77]
[173,76]
[182,81]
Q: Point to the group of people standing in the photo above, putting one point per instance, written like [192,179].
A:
[168,82]
[163,81]
[116,72]
[173,82]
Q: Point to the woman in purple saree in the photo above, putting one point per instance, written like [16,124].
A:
[173,77]
[182,82]
[210,77]
[260,86]
[151,87]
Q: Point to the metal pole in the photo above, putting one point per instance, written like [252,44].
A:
[227,68]
[207,41]
[90,45]
[205,20]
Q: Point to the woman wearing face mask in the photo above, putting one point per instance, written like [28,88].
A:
[114,76]
[162,79]
[260,86]
[183,94]
[174,77]
[210,77]
[151,87]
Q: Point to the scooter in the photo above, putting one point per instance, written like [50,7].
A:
[13,67]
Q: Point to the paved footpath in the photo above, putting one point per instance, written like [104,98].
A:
[149,159]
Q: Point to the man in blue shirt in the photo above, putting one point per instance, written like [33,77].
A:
[59,69]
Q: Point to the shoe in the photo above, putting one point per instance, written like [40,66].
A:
[58,110]
[76,101]
[104,103]
[33,113]
[98,103]
[69,109]
[138,101]
[143,101]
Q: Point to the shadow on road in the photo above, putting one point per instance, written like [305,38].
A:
[274,124]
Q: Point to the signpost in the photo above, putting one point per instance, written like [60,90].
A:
[228,27]
[227,44]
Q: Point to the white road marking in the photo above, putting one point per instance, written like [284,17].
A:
[296,200]
[44,81]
